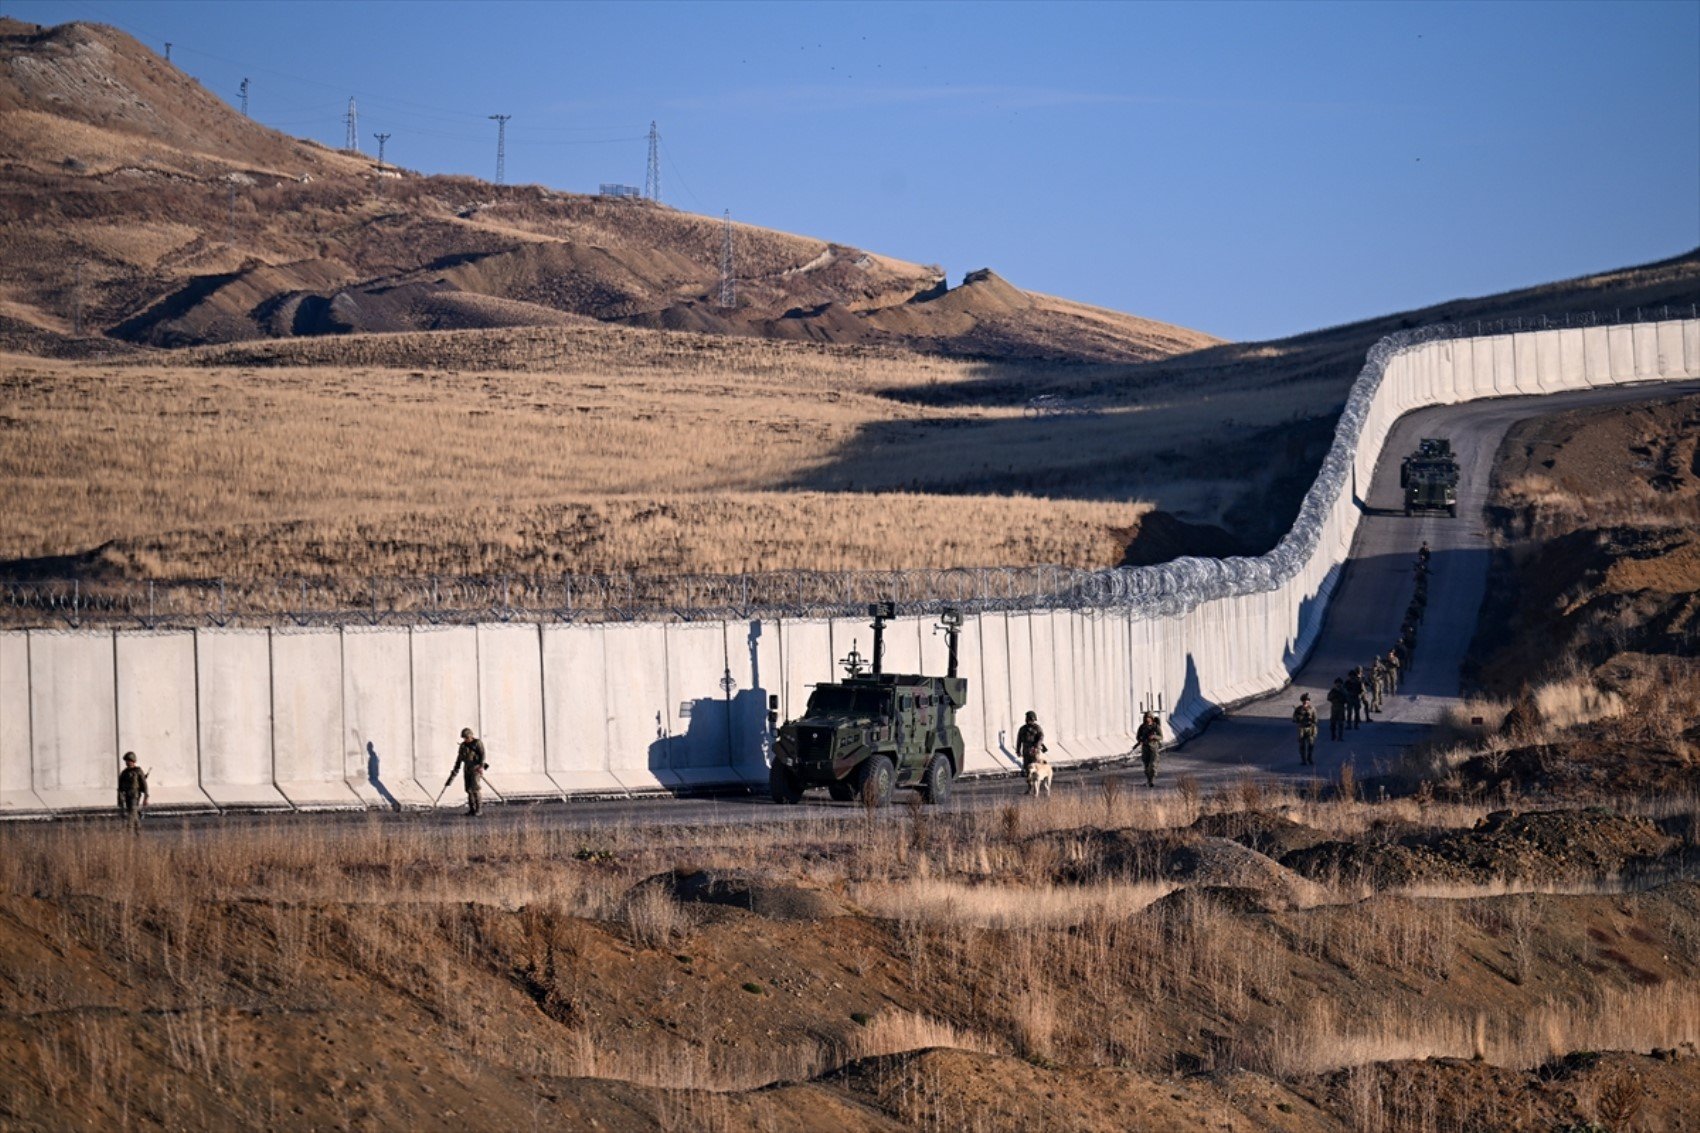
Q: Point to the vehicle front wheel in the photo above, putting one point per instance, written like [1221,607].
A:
[936,780]
[783,786]
[874,780]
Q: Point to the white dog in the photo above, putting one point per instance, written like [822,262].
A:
[1038,775]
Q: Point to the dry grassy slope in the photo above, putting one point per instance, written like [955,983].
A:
[101,137]
[1598,512]
[398,974]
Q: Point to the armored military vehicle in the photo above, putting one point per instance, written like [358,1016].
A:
[874,731]
[1430,477]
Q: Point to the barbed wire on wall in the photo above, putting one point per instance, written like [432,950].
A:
[1165,590]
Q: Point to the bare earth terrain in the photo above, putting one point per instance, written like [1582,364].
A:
[1508,942]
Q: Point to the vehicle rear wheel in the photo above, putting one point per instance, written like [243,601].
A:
[841,791]
[783,786]
[874,780]
[936,779]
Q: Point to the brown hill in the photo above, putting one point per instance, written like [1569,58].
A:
[143,210]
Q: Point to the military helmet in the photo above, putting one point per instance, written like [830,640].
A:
[1304,697]
[129,757]
[1032,716]
[466,733]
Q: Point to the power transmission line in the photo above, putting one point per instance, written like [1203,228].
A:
[501,121]
[652,180]
[352,141]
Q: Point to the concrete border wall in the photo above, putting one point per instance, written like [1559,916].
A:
[369,717]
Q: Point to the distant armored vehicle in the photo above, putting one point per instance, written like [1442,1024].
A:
[872,732]
[1430,477]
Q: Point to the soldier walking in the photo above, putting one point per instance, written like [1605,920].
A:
[1149,737]
[1337,710]
[1030,741]
[1392,663]
[1305,717]
[1354,688]
[1377,683]
[1423,555]
[471,758]
[132,792]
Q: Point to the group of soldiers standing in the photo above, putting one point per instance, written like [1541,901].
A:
[1358,695]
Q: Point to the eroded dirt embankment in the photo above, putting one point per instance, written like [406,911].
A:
[1092,963]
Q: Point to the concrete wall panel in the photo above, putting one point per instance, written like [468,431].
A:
[234,704]
[700,705]
[806,650]
[73,720]
[636,694]
[445,700]
[510,709]
[1526,362]
[1505,365]
[1046,699]
[1596,355]
[1572,358]
[307,719]
[1646,343]
[1548,367]
[378,718]
[1023,696]
[1691,347]
[993,698]
[17,796]
[1620,346]
[753,655]
[575,709]
[1671,359]
[156,715]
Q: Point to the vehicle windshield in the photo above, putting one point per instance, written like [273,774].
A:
[840,701]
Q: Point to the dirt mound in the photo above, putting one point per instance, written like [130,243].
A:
[1220,863]
[1269,834]
[1540,845]
[777,902]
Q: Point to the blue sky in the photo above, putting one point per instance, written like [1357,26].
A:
[1252,170]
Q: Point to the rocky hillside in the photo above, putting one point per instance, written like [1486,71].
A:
[142,211]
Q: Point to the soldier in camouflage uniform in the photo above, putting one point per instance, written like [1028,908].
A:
[1030,741]
[1377,684]
[1392,663]
[1337,710]
[471,758]
[1149,737]
[132,792]
[1305,717]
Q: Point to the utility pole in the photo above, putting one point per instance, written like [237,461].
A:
[168,51]
[728,291]
[501,121]
[652,181]
[244,98]
[352,140]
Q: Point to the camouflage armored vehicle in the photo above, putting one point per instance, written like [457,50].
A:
[1430,477]
[871,732]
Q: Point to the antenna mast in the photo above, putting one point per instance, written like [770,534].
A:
[244,98]
[501,121]
[728,291]
[352,141]
[652,181]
